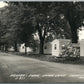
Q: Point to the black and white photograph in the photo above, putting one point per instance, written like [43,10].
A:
[41,41]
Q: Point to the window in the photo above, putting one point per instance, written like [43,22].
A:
[23,47]
[55,46]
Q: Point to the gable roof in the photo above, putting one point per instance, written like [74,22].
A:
[60,40]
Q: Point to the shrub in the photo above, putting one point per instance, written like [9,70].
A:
[70,52]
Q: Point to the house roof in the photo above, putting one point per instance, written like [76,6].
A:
[60,40]
[57,40]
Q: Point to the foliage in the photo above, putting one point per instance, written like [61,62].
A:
[50,20]
[69,51]
[18,27]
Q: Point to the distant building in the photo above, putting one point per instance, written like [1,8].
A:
[55,47]
[81,33]
[22,48]
[81,40]
[82,47]
[11,48]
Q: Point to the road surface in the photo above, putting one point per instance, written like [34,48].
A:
[21,69]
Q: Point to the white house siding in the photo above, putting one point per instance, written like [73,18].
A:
[55,52]
[82,48]
[58,43]
[81,33]
[11,48]
[22,48]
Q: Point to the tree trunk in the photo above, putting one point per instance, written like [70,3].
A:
[74,35]
[74,20]
[0,47]
[6,48]
[25,49]
[3,47]
[15,46]
[41,47]
[42,38]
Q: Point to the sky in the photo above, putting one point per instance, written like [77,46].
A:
[2,4]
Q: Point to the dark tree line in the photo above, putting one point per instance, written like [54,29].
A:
[21,20]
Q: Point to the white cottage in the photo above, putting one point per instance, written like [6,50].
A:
[22,48]
[55,47]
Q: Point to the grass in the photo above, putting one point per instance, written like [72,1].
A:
[51,58]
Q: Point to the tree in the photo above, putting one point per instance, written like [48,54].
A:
[8,19]
[48,21]
[51,20]
[18,24]
[73,16]
[44,17]
[73,13]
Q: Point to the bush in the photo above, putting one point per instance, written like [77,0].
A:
[70,52]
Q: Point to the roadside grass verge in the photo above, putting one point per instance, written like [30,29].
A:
[51,58]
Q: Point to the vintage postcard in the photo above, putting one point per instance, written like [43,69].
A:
[41,41]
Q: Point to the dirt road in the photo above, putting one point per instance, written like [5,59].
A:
[15,68]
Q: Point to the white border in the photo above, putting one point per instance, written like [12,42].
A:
[45,0]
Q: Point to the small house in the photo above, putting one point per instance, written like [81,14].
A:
[22,48]
[55,47]
[11,48]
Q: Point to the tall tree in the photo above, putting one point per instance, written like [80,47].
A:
[51,20]
[18,17]
[44,17]
[48,21]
